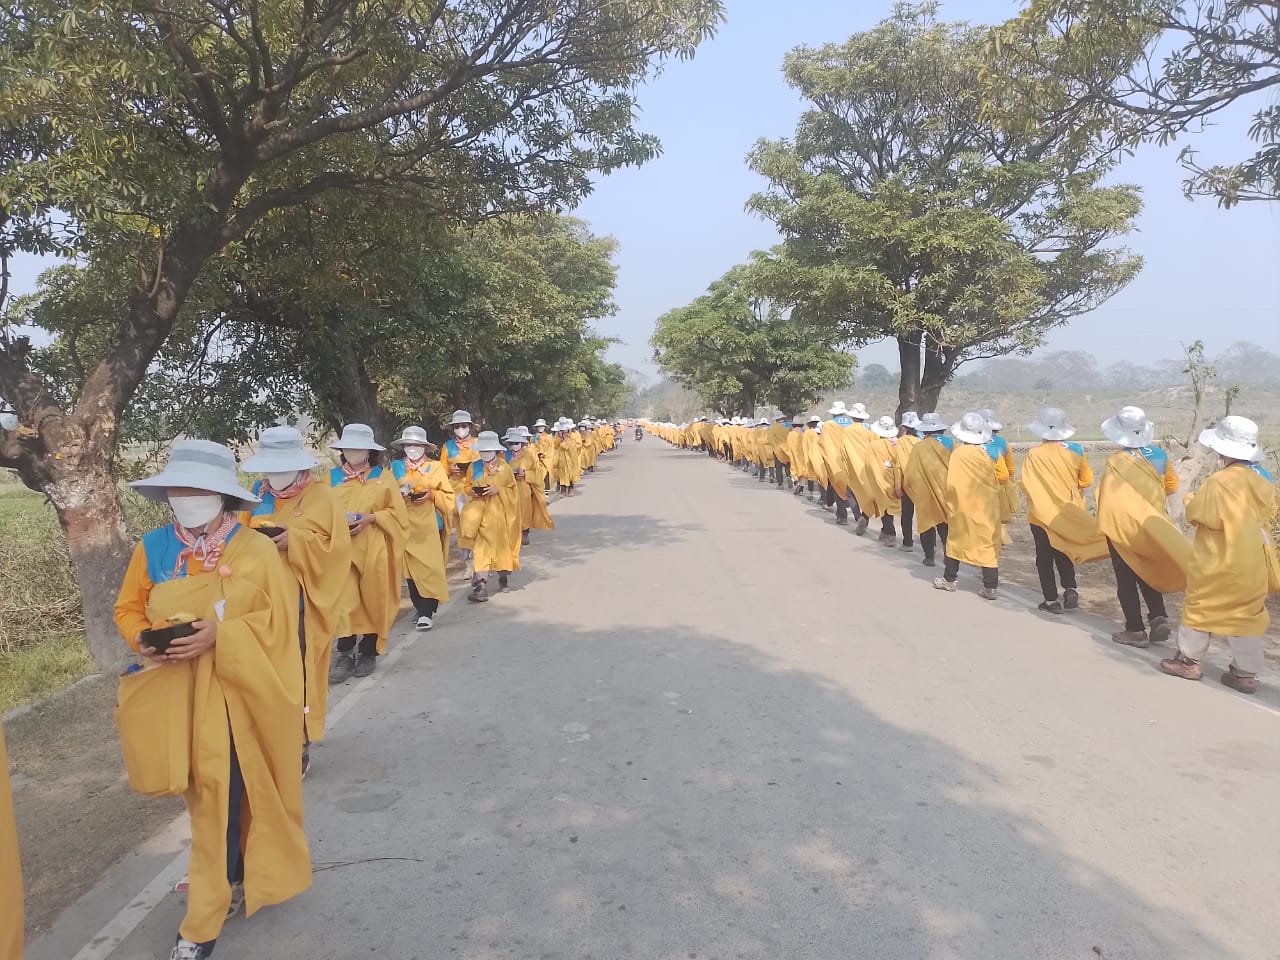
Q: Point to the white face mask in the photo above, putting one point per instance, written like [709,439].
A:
[515,447]
[414,453]
[461,432]
[357,458]
[192,512]
[488,455]
[540,429]
[282,481]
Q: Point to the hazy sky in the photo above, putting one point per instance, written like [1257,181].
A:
[1210,274]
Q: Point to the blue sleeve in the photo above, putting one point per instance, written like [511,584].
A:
[398,469]
[1074,448]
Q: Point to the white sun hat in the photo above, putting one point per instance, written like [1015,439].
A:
[838,409]
[859,412]
[972,428]
[1129,428]
[488,442]
[513,435]
[885,427]
[990,416]
[540,422]
[197,465]
[815,419]
[931,423]
[910,419]
[280,450]
[413,436]
[1052,424]
[525,432]
[1235,438]
[779,415]
[460,418]
[356,436]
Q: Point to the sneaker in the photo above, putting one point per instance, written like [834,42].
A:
[366,664]
[504,585]
[888,539]
[424,622]
[1132,638]
[948,585]
[478,594]
[1240,682]
[929,562]
[237,899]
[863,522]
[342,667]
[306,760]
[524,539]
[1181,666]
[1071,598]
[908,548]
[842,521]
[987,593]
[186,950]
[1160,629]
[1051,606]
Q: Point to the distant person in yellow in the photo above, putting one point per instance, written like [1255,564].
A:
[10,866]
[1149,554]
[244,687]
[907,440]
[376,516]
[831,445]
[925,482]
[590,445]
[880,479]
[458,453]
[974,478]
[308,527]
[1055,475]
[766,459]
[530,495]
[569,456]
[1009,492]
[429,502]
[779,433]
[490,523]
[798,463]
[545,443]
[816,473]
[1233,561]
[857,447]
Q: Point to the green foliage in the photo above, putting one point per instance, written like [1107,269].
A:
[914,217]
[738,350]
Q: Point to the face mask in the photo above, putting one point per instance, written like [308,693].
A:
[415,453]
[282,481]
[192,512]
[516,447]
[540,429]
[488,455]
[461,432]
[357,458]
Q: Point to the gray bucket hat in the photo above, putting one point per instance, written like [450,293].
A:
[356,436]
[197,465]
[459,418]
[413,436]
[488,442]
[280,449]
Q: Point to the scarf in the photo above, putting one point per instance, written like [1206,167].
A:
[360,473]
[207,547]
[289,492]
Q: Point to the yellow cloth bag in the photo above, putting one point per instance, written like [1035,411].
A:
[153,715]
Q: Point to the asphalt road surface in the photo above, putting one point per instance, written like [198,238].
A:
[707,725]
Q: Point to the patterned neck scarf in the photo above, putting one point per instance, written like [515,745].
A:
[293,490]
[418,465]
[205,547]
[360,473]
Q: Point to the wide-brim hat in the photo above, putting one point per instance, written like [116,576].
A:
[859,412]
[280,449]
[910,419]
[539,423]
[197,465]
[885,427]
[972,428]
[513,435]
[838,409]
[779,416]
[815,419]
[356,436]
[1235,438]
[1052,424]
[1130,428]
[931,423]
[488,442]
[460,418]
[993,423]
[411,437]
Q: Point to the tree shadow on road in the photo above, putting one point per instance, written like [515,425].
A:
[580,536]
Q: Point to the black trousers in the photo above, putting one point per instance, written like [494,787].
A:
[1047,559]
[425,606]
[235,820]
[908,518]
[929,540]
[368,644]
[1128,587]
[840,503]
[781,472]
[951,573]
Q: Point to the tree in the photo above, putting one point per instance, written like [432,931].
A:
[913,216]
[180,126]
[876,376]
[738,350]
[1131,71]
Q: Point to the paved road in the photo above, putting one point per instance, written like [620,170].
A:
[706,725]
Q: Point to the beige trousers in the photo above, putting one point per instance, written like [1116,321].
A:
[1246,652]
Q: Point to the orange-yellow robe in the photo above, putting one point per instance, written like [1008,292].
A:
[429,511]
[857,448]
[1054,476]
[10,867]
[831,446]
[817,468]
[454,457]
[377,553]
[530,495]
[490,526]
[974,506]
[925,480]
[1132,513]
[880,480]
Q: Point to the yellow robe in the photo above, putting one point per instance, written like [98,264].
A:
[857,448]
[901,457]
[545,444]
[779,447]
[974,506]
[925,481]
[813,457]
[10,867]
[1052,478]
[797,455]
[1009,492]
[1133,515]
[831,445]
[318,558]
[248,687]
[1233,563]
[429,502]
[570,461]
[454,457]
[530,495]
[765,448]
[880,480]
[377,554]
[490,525]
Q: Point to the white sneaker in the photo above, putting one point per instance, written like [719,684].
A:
[424,623]
[186,950]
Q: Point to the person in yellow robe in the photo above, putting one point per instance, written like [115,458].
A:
[974,478]
[378,521]
[10,866]
[530,496]
[458,453]
[924,482]
[544,443]
[308,526]
[765,455]
[831,446]
[857,447]
[429,501]
[1234,565]
[1009,492]
[817,472]
[797,461]
[489,526]
[1149,554]
[569,457]
[1055,474]
[241,668]
[779,432]
[590,445]
[907,440]
[880,481]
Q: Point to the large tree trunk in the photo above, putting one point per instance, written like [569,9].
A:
[939,365]
[909,378]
